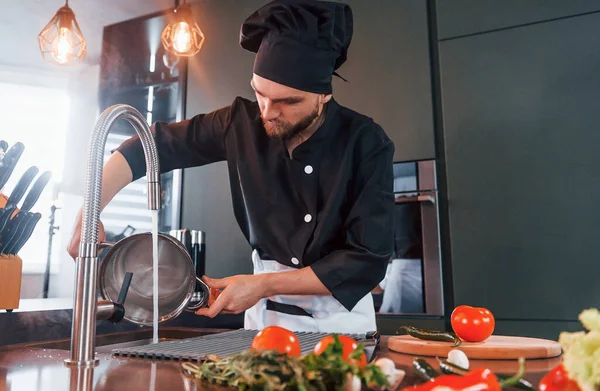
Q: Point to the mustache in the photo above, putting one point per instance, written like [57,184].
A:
[270,121]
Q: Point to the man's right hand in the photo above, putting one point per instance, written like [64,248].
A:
[73,247]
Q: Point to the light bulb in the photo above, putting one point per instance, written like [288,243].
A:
[62,47]
[182,37]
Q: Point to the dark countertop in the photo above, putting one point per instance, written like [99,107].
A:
[39,369]
[34,326]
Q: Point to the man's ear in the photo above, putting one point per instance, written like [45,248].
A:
[325,98]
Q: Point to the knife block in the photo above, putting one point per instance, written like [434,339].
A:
[11,272]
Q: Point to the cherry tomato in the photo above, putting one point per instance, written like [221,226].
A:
[558,380]
[349,345]
[277,338]
[472,324]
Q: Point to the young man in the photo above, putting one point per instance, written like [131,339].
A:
[311,180]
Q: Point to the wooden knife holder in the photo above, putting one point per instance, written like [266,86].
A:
[11,272]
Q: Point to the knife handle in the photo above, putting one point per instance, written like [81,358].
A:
[17,246]
[5,214]
[9,162]
[21,186]
[35,191]
[11,231]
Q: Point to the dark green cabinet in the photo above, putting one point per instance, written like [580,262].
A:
[465,17]
[520,123]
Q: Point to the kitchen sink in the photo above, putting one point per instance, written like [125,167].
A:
[105,343]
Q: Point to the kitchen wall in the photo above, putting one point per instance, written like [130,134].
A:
[220,72]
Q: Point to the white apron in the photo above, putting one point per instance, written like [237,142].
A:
[313,313]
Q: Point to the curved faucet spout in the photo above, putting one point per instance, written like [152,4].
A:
[83,332]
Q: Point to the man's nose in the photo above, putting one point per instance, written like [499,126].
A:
[270,111]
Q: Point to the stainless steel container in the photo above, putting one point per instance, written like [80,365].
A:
[199,255]
[177,281]
[184,236]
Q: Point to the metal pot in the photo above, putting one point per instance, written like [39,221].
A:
[176,278]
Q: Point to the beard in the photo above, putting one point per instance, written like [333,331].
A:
[283,130]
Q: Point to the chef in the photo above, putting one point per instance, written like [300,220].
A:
[311,180]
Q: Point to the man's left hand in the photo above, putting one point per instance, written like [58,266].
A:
[239,293]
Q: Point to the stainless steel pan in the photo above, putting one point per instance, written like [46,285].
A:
[177,278]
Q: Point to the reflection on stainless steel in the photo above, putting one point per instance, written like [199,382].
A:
[432,265]
[83,329]
[105,310]
[81,379]
[144,375]
[177,278]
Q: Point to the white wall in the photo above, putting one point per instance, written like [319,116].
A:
[34,76]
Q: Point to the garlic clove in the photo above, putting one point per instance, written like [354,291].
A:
[458,358]
[388,367]
[353,383]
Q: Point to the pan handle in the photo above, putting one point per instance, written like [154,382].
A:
[103,245]
[199,298]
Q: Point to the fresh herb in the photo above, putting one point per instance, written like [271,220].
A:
[270,370]
[581,351]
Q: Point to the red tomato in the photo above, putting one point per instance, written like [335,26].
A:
[277,338]
[349,345]
[472,324]
[558,380]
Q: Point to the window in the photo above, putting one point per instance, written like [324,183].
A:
[37,117]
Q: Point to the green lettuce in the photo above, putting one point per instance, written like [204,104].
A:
[581,351]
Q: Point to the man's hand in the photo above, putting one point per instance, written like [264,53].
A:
[73,247]
[239,293]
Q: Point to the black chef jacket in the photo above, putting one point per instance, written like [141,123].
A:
[329,206]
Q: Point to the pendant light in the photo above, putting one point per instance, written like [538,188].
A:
[182,36]
[61,41]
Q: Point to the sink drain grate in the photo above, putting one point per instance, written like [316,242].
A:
[221,344]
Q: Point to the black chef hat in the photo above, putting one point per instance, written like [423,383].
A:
[299,43]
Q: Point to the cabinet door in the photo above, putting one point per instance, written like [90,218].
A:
[520,115]
[464,17]
[389,73]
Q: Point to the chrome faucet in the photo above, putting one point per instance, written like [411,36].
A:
[85,304]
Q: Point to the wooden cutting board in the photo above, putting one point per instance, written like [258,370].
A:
[496,347]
